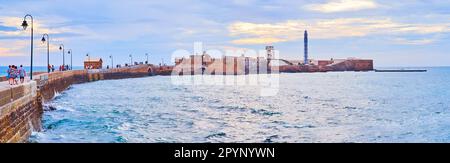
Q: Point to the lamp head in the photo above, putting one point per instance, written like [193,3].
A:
[43,39]
[24,25]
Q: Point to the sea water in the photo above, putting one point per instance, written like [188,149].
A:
[309,107]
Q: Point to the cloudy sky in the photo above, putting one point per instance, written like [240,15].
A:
[393,33]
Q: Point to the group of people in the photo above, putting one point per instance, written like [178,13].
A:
[51,68]
[64,68]
[14,73]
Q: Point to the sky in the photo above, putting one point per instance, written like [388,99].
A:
[393,33]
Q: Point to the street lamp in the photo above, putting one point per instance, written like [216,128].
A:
[25,25]
[61,47]
[131,60]
[146,54]
[48,50]
[70,52]
[112,61]
[89,60]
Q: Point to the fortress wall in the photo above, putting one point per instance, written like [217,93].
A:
[223,66]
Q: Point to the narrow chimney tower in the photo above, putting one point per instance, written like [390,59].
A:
[306,47]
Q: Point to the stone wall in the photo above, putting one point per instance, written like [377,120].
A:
[49,84]
[345,65]
[223,66]
[353,65]
[22,115]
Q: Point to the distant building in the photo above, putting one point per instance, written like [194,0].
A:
[270,52]
[93,63]
[225,65]
[322,63]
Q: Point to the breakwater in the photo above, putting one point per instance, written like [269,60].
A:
[21,106]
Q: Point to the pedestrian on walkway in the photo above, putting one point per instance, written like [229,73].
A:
[16,71]
[8,74]
[12,75]
[22,74]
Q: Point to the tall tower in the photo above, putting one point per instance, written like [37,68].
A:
[270,55]
[306,47]
[270,52]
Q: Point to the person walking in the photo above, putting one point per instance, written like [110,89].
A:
[16,71]
[22,74]
[12,76]
[8,74]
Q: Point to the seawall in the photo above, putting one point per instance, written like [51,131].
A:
[20,112]
[346,65]
[21,106]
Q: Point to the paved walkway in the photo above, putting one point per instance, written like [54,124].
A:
[5,85]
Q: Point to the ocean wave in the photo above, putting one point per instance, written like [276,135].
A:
[56,124]
[216,135]
[270,139]
[263,112]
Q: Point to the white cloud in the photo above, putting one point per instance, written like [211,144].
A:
[18,46]
[39,27]
[415,41]
[10,48]
[342,6]
[260,40]
[254,33]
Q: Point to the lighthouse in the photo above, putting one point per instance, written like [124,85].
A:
[306,47]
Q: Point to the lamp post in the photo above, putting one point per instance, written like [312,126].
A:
[70,52]
[112,61]
[146,54]
[25,25]
[89,60]
[131,60]
[48,50]
[61,47]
